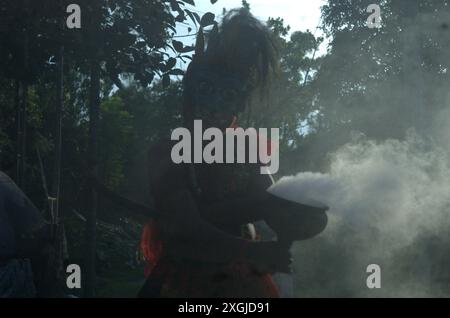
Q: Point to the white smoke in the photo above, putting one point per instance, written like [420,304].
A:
[389,205]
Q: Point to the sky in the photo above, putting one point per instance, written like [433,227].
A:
[300,15]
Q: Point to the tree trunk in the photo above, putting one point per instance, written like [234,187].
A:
[56,263]
[94,117]
[21,104]
[58,134]
[22,89]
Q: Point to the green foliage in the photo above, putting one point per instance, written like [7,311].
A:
[130,41]
[368,71]
[379,82]
[290,105]
[115,135]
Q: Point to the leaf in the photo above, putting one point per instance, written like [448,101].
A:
[186,57]
[207,19]
[177,45]
[171,62]
[150,77]
[191,2]
[176,71]
[166,81]
[175,6]
[172,27]
[187,49]
[180,17]
[180,48]
[213,1]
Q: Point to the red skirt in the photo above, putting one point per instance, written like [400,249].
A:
[193,279]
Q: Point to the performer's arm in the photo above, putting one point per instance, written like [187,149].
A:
[189,236]
[281,215]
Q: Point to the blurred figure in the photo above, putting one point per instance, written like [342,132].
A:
[23,242]
[202,242]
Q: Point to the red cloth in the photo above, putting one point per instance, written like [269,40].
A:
[151,247]
[183,279]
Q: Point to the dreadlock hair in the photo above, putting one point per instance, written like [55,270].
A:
[241,45]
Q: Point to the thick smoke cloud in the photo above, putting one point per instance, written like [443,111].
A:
[389,205]
[388,193]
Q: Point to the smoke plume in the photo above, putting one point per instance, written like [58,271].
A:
[389,205]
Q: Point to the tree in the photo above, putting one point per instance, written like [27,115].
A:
[290,105]
[368,71]
[123,37]
[116,38]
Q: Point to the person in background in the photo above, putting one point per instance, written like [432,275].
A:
[24,242]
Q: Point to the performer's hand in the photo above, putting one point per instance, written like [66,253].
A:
[269,257]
